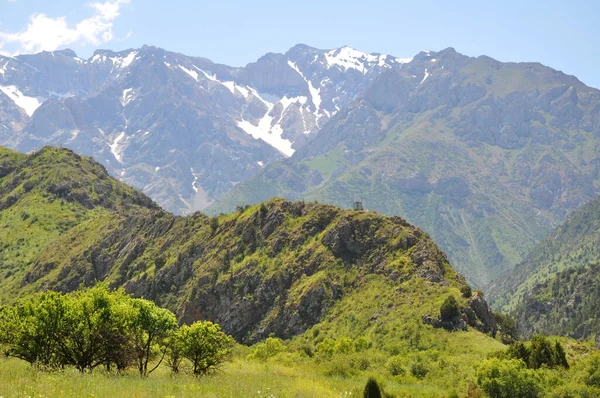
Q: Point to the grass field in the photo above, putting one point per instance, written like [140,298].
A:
[239,378]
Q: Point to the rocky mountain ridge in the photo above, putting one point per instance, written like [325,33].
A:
[183,129]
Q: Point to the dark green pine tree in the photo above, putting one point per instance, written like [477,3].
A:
[372,389]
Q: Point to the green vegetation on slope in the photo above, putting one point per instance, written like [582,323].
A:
[565,304]
[574,244]
[45,195]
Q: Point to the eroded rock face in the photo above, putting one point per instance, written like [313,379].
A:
[485,316]
[477,315]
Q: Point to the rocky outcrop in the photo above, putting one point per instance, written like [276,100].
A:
[477,315]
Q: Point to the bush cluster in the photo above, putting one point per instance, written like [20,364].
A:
[96,327]
[539,352]
[449,310]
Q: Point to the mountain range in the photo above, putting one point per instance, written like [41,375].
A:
[487,157]
[183,129]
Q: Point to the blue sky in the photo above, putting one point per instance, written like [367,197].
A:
[562,34]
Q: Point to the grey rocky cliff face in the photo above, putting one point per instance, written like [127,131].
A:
[183,129]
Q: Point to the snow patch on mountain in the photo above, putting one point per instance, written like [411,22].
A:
[28,104]
[209,77]
[195,180]
[425,77]
[348,58]
[127,96]
[192,73]
[231,86]
[269,133]
[118,146]
[124,62]
[3,68]
[315,93]
[403,60]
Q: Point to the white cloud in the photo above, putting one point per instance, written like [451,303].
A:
[49,34]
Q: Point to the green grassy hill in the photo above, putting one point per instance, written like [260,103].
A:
[45,196]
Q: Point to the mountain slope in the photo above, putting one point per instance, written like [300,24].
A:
[573,245]
[46,194]
[566,303]
[183,129]
[276,268]
[485,156]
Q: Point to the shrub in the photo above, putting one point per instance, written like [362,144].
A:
[449,309]
[419,369]
[592,372]
[560,357]
[574,391]
[340,367]
[361,344]
[541,352]
[268,349]
[326,348]
[372,389]
[518,350]
[214,223]
[466,291]
[344,345]
[263,209]
[507,327]
[395,365]
[508,378]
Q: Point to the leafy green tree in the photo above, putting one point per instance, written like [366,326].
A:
[8,327]
[35,322]
[151,325]
[518,350]
[175,347]
[574,391]
[372,389]
[560,356]
[541,352]
[508,378]
[344,345]
[204,345]
[466,291]
[449,309]
[326,348]
[90,327]
[507,327]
